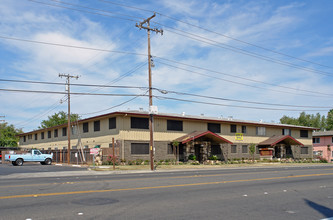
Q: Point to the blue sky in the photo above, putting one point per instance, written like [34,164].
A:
[274,52]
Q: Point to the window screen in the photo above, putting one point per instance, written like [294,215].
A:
[139,148]
[97,125]
[214,127]
[233,149]
[174,125]
[112,123]
[233,128]
[85,127]
[304,150]
[141,123]
[304,133]
[261,131]
[244,149]
[64,131]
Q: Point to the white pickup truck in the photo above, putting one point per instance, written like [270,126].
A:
[32,156]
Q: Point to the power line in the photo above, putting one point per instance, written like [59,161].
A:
[63,93]
[72,84]
[162,97]
[244,84]
[71,46]
[235,106]
[218,44]
[89,12]
[217,33]
[237,100]
[248,53]
[115,106]
[169,60]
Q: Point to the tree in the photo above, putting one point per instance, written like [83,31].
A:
[252,150]
[329,120]
[312,120]
[8,135]
[57,119]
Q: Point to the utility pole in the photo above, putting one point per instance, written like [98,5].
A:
[69,112]
[151,116]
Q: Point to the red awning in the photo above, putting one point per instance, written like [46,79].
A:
[278,139]
[197,134]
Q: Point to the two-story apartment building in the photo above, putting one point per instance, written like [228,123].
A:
[322,144]
[201,136]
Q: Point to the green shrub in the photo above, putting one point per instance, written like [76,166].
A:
[213,157]
[322,160]
[192,157]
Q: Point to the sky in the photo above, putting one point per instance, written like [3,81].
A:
[252,60]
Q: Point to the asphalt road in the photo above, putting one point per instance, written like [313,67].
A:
[246,193]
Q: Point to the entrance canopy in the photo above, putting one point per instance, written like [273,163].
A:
[285,139]
[199,134]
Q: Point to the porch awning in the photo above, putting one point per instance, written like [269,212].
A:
[197,134]
[280,139]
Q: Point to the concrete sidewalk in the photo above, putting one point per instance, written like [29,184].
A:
[90,171]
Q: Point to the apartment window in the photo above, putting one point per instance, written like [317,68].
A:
[215,150]
[42,135]
[214,127]
[233,128]
[24,138]
[286,131]
[243,129]
[141,123]
[261,131]
[304,150]
[316,140]
[317,153]
[170,149]
[48,134]
[85,127]
[112,123]
[29,136]
[73,129]
[244,149]
[233,149]
[64,131]
[174,125]
[97,125]
[139,148]
[56,133]
[36,137]
[304,133]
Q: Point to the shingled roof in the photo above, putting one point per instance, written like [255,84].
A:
[280,138]
[197,134]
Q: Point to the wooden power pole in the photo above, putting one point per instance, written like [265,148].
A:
[69,113]
[151,115]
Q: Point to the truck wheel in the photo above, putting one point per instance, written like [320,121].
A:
[14,163]
[48,161]
[19,162]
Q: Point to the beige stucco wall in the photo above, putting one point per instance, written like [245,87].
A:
[123,132]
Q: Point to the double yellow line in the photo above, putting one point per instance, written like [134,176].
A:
[159,187]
